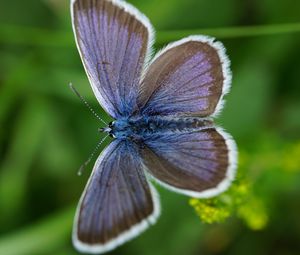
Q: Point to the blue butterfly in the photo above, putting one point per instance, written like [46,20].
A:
[163,129]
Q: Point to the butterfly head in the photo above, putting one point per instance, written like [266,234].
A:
[108,129]
[120,129]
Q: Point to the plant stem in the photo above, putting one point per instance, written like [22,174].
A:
[14,34]
[232,32]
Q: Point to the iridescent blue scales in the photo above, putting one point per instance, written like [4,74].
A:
[163,128]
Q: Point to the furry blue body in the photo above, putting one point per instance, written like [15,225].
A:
[142,127]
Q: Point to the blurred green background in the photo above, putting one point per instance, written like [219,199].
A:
[46,133]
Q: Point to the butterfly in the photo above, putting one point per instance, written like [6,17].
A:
[164,131]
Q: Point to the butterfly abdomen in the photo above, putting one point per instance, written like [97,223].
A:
[142,127]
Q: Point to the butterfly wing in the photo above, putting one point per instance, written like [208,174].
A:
[188,77]
[199,163]
[113,39]
[117,203]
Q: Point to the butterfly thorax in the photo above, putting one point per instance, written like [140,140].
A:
[137,128]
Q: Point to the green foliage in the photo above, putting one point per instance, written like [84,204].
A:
[242,199]
[239,200]
[46,133]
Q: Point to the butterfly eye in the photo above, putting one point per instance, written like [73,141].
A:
[110,124]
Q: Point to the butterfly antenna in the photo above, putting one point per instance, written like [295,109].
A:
[86,103]
[84,165]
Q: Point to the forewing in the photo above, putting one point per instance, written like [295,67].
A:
[113,39]
[117,203]
[187,78]
[198,164]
